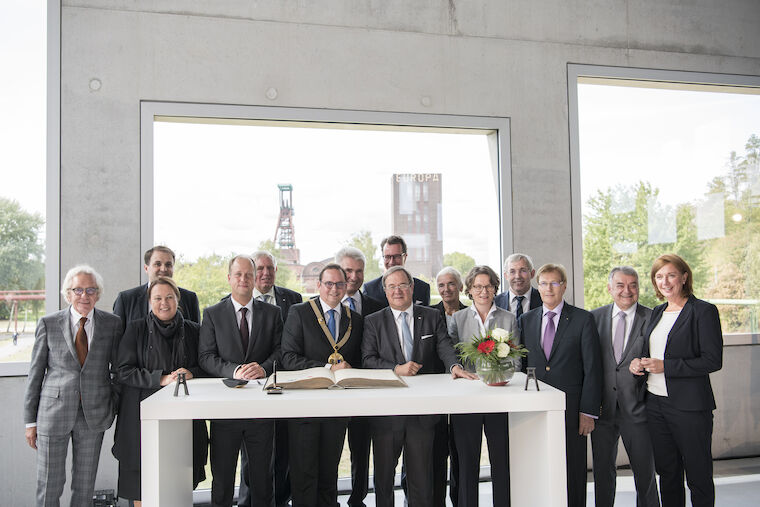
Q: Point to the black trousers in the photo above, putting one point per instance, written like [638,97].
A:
[681,441]
[227,435]
[315,449]
[280,468]
[575,460]
[468,433]
[359,439]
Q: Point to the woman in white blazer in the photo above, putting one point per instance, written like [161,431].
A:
[481,285]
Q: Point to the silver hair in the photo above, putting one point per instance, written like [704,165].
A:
[353,253]
[448,270]
[263,253]
[395,269]
[82,269]
[626,270]
[515,257]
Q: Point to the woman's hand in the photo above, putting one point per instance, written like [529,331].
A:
[652,365]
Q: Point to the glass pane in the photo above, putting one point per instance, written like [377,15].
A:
[666,170]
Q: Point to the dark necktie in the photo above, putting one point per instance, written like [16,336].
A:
[549,334]
[617,342]
[81,342]
[244,330]
[519,309]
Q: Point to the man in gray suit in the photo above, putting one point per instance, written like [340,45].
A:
[411,340]
[621,326]
[240,338]
[69,390]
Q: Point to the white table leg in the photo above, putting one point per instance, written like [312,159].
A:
[537,458]
[167,463]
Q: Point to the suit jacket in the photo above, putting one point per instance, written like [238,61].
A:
[304,344]
[464,326]
[420,295]
[220,350]
[285,298]
[694,350]
[370,305]
[619,387]
[442,310]
[132,304]
[502,300]
[56,380]
[574,364]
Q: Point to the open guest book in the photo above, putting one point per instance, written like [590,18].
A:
[322,378]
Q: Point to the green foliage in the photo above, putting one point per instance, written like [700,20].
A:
[461,262]
[362,240]
[21,251]
[207,277]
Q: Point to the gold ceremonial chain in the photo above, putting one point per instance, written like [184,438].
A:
[335,357]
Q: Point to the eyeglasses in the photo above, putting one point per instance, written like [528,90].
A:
[395,257]
[544,285]
[480,288]
[91,291]
[402,286]
[330,285]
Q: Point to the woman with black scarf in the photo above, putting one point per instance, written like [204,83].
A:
[151,354]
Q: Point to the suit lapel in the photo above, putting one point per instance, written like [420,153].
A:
[393,336]
[417,338]
[683,317]
[254,329]
[564,321]
[534,329]
[638,321]
[607,335]
[230,311]
[65,324]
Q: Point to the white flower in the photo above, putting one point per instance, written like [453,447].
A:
[502,349]
[500,334]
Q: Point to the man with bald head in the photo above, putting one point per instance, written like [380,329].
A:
[240,338]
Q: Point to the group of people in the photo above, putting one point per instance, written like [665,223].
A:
[626,371]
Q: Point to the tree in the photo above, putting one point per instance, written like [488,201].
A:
[362,240]
[207,277]
[21,251]
[460,261]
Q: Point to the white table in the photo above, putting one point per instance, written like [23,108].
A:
[536,426]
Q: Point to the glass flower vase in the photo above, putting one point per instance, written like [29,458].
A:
[496,374]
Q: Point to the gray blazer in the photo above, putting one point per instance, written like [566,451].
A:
[56,380]
[619,387]
[464,327]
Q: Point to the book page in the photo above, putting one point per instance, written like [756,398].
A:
[311,378]
[357,377]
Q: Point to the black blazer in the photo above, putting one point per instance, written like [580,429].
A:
[433,349]
[693,351]
[442,310]
[220,348]
[574,365]
[304,344]
[370,305]
[132,304]
[502,300]
[420,295]
[285,298]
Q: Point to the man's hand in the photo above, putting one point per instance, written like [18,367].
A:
[458,372]
[407,369]
[249,371]
[188,373]
[635,367]
[585,425]
[652,365]
[166,380]
[340,366]
[31,437]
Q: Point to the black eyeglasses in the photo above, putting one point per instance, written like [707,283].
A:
[330,285]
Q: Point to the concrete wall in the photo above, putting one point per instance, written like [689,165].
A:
[505,58]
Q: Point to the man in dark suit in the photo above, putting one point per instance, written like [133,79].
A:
[266,291]
[410,339]
[240,338]
[133,304]
[521,297]
[563,346]
[69,390]
[394,254]
[352,261]
[326,334]
[621,327]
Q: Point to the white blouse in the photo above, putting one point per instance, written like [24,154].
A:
[657,342]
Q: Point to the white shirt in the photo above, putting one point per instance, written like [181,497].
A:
[357,302]
[489,317]
[629,316]
[257,293]
[409,320]
[513,301]
[657,342]
[545,319]
[326,308]
[88,326]
[248,315]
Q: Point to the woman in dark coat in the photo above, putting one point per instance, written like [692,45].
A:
[684,345]
[151,354]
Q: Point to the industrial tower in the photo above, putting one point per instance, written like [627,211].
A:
[285,234]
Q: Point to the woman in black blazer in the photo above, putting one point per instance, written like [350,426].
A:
[684,343]
[153,351]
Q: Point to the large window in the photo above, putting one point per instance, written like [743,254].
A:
[668,167]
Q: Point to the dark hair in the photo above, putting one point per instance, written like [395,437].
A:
[332,265]
[165,280]
[493,278]
[678,263]
[158,248]
[393,240]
